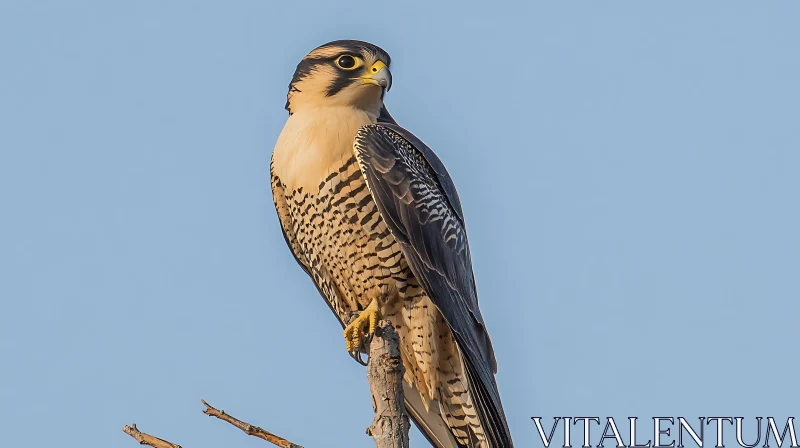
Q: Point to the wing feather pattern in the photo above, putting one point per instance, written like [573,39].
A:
[417,199]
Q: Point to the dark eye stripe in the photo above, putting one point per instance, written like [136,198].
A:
[338,84]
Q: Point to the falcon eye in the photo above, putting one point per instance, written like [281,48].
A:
[346,62]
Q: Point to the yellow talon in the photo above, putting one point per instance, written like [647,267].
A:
[365,324]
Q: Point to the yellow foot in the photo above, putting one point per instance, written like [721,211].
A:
[364,325]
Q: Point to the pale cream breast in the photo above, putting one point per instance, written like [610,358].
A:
[314,142]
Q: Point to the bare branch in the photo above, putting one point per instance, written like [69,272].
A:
[248,429]
[147,439]
[385,374]
[385,371]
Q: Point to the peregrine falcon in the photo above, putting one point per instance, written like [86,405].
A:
[371,214]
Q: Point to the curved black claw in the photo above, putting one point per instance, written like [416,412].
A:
[356,354]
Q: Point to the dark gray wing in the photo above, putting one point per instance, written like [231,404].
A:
[385,117]
[419,203]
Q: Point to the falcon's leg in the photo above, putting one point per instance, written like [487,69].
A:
[364,325]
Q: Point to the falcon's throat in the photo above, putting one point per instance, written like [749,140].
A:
[316,142]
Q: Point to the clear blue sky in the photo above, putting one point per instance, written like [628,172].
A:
[629,170]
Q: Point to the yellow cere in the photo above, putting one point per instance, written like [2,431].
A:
[376,67]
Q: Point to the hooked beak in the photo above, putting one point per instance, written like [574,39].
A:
[379,75]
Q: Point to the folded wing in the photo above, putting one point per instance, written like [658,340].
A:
[418,201]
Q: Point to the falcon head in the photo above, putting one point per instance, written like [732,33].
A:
[341,73]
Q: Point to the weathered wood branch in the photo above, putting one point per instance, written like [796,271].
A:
[147,439]
[248,429]
[385,371]
[385,374]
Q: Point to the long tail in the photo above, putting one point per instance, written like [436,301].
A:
[430,422]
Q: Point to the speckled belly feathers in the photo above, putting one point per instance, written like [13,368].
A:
[339,237]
